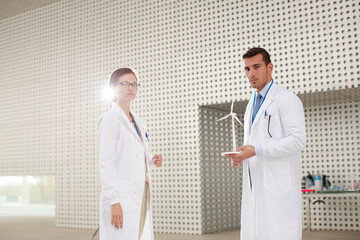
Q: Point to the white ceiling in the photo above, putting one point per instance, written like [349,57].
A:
[9,8]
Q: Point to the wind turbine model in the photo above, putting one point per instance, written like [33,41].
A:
[234,117]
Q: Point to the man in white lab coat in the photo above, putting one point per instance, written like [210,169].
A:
[274,136]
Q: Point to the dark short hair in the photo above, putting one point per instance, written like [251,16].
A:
[114,78]
[255,51]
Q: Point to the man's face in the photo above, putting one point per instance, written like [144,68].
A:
[257,72]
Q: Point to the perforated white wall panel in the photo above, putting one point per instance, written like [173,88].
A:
[55,60]
[332,149]
[221,183]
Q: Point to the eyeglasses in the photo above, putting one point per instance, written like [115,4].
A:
[128,85]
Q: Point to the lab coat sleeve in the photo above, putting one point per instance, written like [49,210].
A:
[107,132]
[293,123]
[151,160]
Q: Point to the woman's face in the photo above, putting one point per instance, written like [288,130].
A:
[123,92]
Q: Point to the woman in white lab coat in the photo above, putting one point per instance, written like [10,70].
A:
[125,209]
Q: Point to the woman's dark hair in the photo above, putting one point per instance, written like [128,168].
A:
[118,73]
[255,51]
[115,77]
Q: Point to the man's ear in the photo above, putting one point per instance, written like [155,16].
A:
[270,67]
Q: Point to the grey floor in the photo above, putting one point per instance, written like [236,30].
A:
[43,228]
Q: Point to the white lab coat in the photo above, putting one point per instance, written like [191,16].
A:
[271,210]
[122,174]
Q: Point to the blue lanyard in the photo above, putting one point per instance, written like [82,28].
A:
[135,125]
[252,121]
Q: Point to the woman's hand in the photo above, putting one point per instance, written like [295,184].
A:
[116,215]
[157,160]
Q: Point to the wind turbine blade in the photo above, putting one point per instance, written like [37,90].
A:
[223,117]
[238,120]
[232,106]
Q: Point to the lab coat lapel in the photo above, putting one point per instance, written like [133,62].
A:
[247,118]
[268,100]
[139,124]
[261,112]
[121,114]
[142,129]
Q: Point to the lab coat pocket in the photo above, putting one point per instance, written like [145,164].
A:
[128,230]
[130,223]
[273,127]
[128,200]
[277,176]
